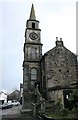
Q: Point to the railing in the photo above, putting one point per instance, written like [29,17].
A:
[39,106]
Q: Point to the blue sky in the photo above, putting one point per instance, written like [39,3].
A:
[57,19]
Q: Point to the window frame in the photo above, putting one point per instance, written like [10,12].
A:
[33,74]
[33,25]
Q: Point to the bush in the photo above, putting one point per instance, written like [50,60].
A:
[75,112]
[73,99]
[58,106]
[64,112]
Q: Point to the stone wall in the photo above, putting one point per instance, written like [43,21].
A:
[59,69]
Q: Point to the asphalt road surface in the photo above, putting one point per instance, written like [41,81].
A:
[11,111]
[14,114]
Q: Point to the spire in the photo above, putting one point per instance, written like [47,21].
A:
[32,13]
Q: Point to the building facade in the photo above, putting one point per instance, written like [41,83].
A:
[55,72]
[3,97]
[59,72]
[15,95]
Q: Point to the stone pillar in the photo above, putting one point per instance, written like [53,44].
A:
[34,110]
[43,106]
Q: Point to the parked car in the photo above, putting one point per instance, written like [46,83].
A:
[15,103]
[10,105]
[6,106]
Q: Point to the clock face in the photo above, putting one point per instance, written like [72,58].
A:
[33,36]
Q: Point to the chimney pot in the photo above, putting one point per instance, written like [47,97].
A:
[56,38]
[60,39]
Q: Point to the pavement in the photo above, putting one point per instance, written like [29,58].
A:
[19,117]
[14,114]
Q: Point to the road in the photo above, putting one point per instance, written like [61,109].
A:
[13,111]
[14,114]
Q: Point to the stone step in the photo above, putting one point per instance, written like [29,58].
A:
[26,111]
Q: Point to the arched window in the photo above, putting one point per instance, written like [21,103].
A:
[33,74]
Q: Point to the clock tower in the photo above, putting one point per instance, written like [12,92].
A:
[32,57]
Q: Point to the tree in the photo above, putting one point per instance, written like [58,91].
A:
[73,99]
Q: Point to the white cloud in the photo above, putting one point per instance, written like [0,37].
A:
[60,23]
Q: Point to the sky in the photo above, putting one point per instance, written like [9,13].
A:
[57,19]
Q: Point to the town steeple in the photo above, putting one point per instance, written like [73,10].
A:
[32,57]
[32,13]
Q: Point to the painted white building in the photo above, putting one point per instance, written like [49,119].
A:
[3,96]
